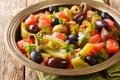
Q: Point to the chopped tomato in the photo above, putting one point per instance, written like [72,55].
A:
[97,47]
[110,23]
[32,19]
[77,50]
[94,32]
[70,26]
[59,35]
[112,46]
[83,26]
[95,39]
[44,21]
[62,15]
[70,57]
[89,15]
[45,61]
[47,12]
[20,44]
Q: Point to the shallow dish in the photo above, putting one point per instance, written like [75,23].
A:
[11,36]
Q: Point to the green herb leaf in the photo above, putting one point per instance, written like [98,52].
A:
[39,36]
[94,18]
[61,21]
[61,8]
[53,14]
[29,47]
[68,48]
[75,28]
[83,37]
[102,54]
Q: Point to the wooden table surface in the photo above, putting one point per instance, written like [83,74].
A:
[10,69]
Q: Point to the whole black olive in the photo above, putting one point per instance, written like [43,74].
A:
[105,15]
[53,8]
[79,18]
[92,60]
[55,21]
[36,56]
[73,37]
[33,29]
[100,24]
[57,63]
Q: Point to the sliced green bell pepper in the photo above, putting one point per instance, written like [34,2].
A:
[24,33]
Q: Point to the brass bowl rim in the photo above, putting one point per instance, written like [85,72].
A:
[10,42]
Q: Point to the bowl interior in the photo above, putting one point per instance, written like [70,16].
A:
[13,34]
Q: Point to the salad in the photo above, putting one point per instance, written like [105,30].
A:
[69,37]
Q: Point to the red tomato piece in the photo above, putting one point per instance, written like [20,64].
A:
[90,13]
[45,61]
[70,26]
[97,47]
[95,39]
[20,44]
[62,15]
[32,19]
[94,32]
[44,21]
[69,61]
[59,35]
[47,12]
[112,46]
[110,23]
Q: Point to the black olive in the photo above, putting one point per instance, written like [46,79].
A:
[36,56]
[70,41]
[33,29]
[73,37]
[55,21]
[92,60]
[53,8]
[79,18]
[105,15]
[57,63]
[100,24]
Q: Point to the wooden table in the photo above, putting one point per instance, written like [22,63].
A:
[10,69]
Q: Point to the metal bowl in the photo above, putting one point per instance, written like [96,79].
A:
[13,30]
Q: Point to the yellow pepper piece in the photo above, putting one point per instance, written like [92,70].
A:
[24,32]
[57,54]
[86,50]
[79,63]
[68,13]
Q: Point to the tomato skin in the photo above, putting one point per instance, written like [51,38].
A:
[95,39]
[45,61]
[70,57]
[44,21]
[97,47]
[62,15]
[112,46]
[94,32]
[89,15]
[32,19]
[20,44]
[59,35]
[110,23]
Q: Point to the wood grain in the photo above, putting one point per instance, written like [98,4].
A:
[115,4]
[9,68]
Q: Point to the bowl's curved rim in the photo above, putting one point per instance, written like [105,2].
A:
[9,38]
